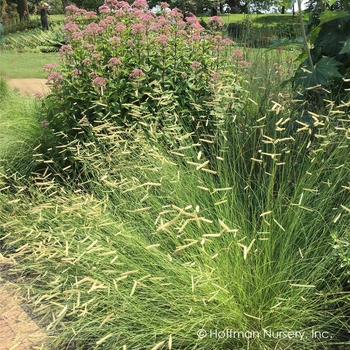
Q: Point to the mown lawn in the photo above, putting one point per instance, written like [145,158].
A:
[25,65]
[263,19]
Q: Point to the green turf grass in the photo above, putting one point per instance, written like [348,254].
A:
[25,65]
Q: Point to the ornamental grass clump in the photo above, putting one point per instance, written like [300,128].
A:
[196,225]
[184,251]
[20,130]
[128,57]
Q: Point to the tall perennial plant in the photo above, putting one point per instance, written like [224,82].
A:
[119,65]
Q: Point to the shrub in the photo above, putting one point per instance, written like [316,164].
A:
[35,40]
[252,34]
[17,26]
[129,65]
[327,78]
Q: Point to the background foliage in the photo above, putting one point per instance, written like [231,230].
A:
[329,34]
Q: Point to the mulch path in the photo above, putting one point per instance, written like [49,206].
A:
[18,330]
[29,87]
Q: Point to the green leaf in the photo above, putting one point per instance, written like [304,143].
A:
[328,68]
[346,47]
[329,15]
[312,36]
[331,36]
[324,71]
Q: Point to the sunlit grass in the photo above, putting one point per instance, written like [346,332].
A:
[20,130]
[150,244]
[156,246]
[258,19]
[25,65]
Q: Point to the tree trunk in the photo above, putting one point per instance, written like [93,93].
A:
[283,10]
[65,4]
[22,9]
[232,3]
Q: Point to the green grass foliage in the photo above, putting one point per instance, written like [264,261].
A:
[17,65]
[35,40]
[20,130]
[31,23]
[264,31]
[165,246]
[225,224]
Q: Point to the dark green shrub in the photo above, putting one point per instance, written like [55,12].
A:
[328,78]
[16,26]
[251,34]
[235,30]
[35,40]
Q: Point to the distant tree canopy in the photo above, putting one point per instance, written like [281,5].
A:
[312,5]
[197,6]
[10,9]
[89,4]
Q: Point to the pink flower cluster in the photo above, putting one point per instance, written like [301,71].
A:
[76,72]
[138,28]
[136,74]
[86,62]
[114,62]
[142,4]
[216,22]
[93,29]
[104,9]
[164,5]
[50,67]
[215,77]
[238,54]
[122,5]
[125,36]
[54,78]
[66,51]
[195,65]
[99,82]
[70,27]
[39,95]
[73,12]
[162,39]
[120,27]
[115,40]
